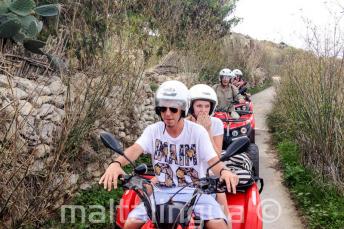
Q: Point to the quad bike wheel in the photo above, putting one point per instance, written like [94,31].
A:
[253,154]
[253,136]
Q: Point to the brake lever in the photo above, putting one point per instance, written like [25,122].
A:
[221,186]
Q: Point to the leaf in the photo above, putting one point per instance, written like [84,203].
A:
[48,10]
[19,37]
[9,26]
[3,9]
[4,4]
[22,7]
[39,26]
[30,26]
[34,46]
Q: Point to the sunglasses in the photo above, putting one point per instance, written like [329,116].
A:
[164,109]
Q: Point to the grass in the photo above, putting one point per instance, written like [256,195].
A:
[259,88]
[321,204]
[96,196]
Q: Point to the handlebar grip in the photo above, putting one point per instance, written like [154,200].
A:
[123,178]
[221,186]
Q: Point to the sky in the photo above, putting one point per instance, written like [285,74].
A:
[286,20]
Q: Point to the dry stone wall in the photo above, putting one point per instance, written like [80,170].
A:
[38,108]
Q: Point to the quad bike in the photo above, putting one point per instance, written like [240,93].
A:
[244,206]
[235,129]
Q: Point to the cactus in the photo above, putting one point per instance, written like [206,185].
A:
[19,37]
[4,6]
[48,10]
[17,21]
[22,7]
[9,25]
[30,26]
[34,46]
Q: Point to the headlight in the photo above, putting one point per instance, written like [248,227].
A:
[235,133]
[243,130]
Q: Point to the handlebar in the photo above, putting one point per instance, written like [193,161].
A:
[134,182]
[211,184]
[232,120]
[207,185]
[240,112]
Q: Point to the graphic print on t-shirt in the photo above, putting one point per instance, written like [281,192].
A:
[171,162]
[166,169]
[183,172]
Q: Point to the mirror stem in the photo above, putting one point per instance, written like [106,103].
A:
[207,174]
[130,162]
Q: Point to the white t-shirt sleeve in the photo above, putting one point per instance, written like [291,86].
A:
[145,140]
[217,126]
[206,148]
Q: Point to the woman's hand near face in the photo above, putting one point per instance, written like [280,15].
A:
[204,120]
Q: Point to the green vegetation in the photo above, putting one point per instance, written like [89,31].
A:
[307,126]
[18,21]
[309,101]
[260,87]
[320,202]
[97,195]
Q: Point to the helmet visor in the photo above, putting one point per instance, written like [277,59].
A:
[171,103]
[224,77]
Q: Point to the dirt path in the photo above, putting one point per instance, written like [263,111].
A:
[278,209]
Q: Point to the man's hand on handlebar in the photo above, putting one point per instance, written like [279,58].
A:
[110,176]
[231,180]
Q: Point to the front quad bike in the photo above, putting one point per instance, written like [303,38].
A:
[244,206]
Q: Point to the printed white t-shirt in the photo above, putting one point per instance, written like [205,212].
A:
[178,162]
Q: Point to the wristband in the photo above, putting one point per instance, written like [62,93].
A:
[222,171]
[120,164]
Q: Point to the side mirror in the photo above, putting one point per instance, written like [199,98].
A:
[238,146]
[111,142]
[141,169]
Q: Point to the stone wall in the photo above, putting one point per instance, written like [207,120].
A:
[38,107]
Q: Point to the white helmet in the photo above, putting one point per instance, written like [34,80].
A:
[237,72]
[173,93]
[225,72]
[203,92]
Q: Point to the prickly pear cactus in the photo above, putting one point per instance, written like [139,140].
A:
[18,21]
[9,25]
[34,46]
[48,10]
[22,7]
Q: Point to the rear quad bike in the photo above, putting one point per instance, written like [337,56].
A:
[235,129]
[244,206]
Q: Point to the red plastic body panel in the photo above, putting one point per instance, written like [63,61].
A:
[245,209]
[248,118]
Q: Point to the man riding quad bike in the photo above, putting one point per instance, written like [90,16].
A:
[245,207]
[236,115]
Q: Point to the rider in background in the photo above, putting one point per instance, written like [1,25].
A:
[227,93]
[179,149]
[202,107]
[238,80]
